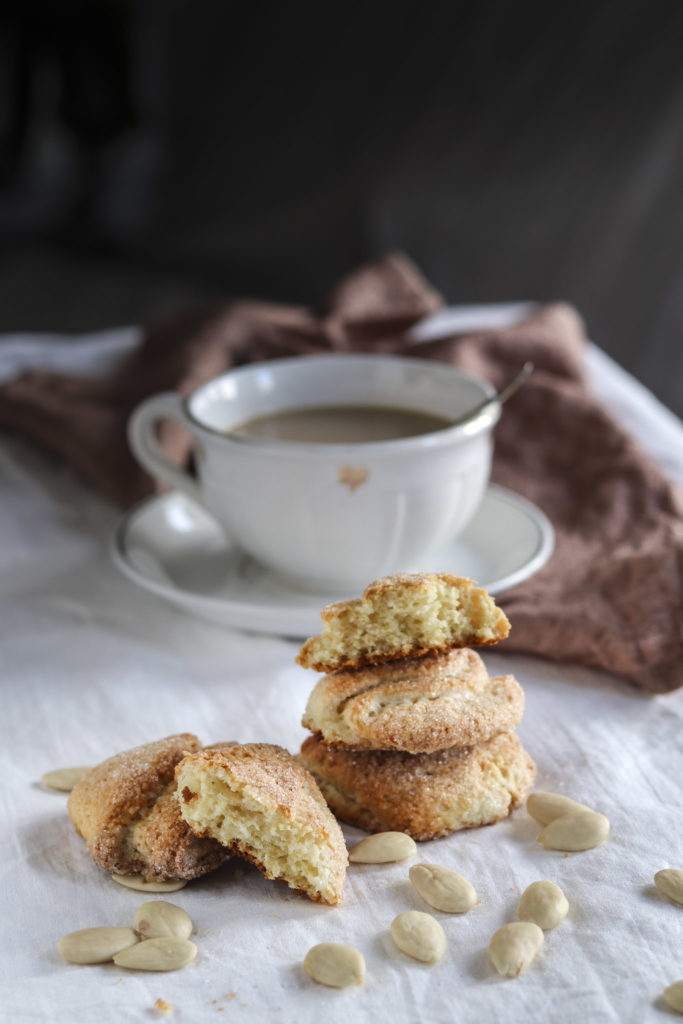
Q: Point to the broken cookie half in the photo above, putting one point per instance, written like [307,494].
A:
[257,801]
[404,616]
[126,811]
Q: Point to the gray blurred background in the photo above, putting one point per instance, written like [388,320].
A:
[162,151]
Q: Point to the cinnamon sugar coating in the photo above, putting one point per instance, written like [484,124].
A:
[419,705]
[126,811]
[258,801]
[424,795]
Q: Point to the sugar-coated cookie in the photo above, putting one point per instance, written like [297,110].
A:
[424,795]
[258,801]
[404,616]
[126,811]
[419,705]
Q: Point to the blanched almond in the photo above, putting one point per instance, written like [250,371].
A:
[669,881]
[442,888]
[544,904]
[95,945]
[160,919]
[335,964]
[514,946]
[64,779]
[673,996]
[382,848]
[419,936]
[545,807]
[582,830]
[163,954]
[140,885]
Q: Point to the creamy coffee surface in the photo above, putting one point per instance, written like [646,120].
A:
[344,424]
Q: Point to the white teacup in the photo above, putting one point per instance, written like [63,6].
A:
[330,516]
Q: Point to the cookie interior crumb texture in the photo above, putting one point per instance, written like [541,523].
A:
[404,615]
[258,801]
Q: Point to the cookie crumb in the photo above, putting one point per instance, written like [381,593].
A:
[164,1008]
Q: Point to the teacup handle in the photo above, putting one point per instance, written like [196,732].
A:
[143,440]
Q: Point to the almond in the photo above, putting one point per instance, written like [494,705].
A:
[581,830]
[544,904]
[95,945]
[160,919]
[138,883]
[382,848]
[545,807]
[161,954]
[64,779]
[514,946]
[442,888]
[419,936]
[669,881]
[335,964]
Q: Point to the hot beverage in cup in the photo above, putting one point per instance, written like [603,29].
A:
[340,424]
[331,470]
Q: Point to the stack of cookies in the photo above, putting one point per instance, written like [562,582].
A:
[409,731]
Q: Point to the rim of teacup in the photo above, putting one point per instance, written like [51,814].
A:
[445,435]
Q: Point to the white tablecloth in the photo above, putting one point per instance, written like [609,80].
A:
[90,666]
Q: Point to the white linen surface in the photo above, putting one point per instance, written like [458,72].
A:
[90,665]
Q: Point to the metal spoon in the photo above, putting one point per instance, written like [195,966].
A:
[498,399]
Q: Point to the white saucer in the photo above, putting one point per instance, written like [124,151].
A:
[171,546]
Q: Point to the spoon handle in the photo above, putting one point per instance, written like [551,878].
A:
[516,382]
[501,396]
